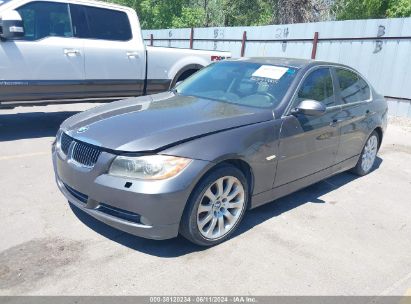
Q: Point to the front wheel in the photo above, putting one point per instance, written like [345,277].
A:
[368,155]
[216,206]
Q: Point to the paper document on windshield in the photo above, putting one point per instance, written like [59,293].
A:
[270,71]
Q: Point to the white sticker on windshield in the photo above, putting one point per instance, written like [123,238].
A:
[270,71]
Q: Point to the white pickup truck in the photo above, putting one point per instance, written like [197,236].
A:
[74,50]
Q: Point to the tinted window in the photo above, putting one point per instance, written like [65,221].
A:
[79,20]
[44,19]
[318,85]
[103,24]
[353,87]
[246,83]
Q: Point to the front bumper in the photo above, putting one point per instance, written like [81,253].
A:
[149,209]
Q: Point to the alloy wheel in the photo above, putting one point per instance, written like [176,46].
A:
[220,207]
[369,154]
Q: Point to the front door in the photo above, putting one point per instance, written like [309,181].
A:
[48,63]
[309,144]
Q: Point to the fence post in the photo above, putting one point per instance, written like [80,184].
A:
[191,38]
[151,40]
[243,43]
[315,42]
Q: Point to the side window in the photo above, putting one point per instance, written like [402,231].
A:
[318,85]
[107,24]
[79,20]
[353,87]
[44,19]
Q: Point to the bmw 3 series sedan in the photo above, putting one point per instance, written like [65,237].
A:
[236,135]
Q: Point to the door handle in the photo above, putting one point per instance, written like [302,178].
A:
[132,54]
[71,52]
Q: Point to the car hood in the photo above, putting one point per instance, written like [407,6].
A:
[150,123]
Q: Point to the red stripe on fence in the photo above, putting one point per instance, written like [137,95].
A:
[243,43]
[315,42]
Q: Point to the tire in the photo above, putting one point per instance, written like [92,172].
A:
[216,206]
[368,154]
[184,76]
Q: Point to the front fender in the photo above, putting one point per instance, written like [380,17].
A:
[254,144]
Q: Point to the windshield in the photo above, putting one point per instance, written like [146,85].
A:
[246,83]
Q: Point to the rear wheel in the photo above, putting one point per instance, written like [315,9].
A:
[183,76]
[216,206]
[368,155]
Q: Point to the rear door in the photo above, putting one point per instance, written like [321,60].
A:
[309,144]
[114,52]
[48,63]
[355,96]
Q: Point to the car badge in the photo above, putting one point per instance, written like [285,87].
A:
[82,129]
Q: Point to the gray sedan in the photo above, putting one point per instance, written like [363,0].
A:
[234,136]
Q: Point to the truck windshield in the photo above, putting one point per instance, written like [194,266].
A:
[246,83]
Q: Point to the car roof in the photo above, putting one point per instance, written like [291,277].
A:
[291,62]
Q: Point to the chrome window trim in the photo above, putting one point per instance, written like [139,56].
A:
[288,108]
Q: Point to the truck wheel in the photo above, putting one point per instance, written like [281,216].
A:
[182,77]
[216,206]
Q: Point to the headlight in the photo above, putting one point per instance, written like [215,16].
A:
[152,167]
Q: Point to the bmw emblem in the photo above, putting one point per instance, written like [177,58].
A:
[82,129]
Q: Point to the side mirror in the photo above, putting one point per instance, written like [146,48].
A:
[11,25]
[310,108]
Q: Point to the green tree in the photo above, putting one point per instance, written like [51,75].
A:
[247,12]
[190,17]
[365,9]
[400,8]
[158,14]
